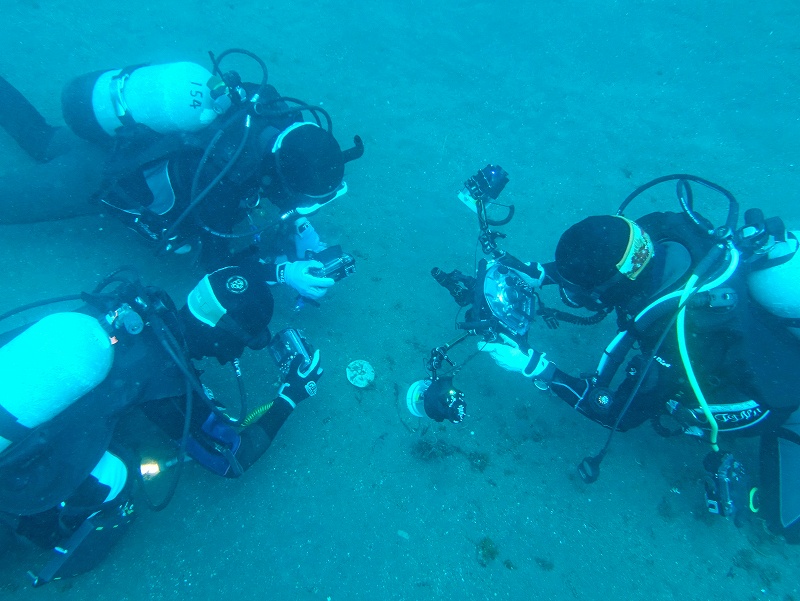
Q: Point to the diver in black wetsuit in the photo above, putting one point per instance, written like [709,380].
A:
[72,379]
[708,324]
[712,345]
[188,157]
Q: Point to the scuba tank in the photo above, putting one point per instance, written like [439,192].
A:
[774,281]
[48,367]
[168,98]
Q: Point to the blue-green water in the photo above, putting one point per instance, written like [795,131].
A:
[580,102]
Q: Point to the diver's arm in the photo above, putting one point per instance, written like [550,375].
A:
[580,393]
[585,394]
[219,447]
[255,439]
[568,388]
[549,273]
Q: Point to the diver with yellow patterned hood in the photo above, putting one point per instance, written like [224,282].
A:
[707,343]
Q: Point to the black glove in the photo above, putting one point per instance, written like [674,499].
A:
[301,381]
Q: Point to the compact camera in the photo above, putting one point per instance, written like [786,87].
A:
[335,263]
[288,344]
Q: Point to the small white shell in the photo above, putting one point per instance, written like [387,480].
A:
[360,373]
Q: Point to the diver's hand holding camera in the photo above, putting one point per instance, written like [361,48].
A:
[301,381]
[301,276]
[508,355]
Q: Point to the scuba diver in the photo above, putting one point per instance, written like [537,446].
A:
[708,320]
[72,380]
[185,157]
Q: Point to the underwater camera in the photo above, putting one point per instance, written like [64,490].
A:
[336,264]
[288,344]
[499,299]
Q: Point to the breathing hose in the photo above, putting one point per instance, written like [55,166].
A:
[680,327]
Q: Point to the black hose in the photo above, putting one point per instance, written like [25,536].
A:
[42,303]
[215,61]
[301,106]
[112,277]
[589,468]
[201,165]
[173,485]
[686,200]
[196,200]
[733,204]
[230,236]
[505,219]
[578,320]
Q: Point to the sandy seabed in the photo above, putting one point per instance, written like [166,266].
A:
[581,102]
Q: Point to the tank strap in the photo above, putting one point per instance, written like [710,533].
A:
[767,263]
[117,93]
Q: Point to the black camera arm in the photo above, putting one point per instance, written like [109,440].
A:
[439,355]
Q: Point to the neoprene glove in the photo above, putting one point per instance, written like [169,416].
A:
[300,277]
[301,381]
[510,357]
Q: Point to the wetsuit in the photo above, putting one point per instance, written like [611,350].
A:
[740,354]
[52,489]
[744,358]
[148,180]
[151,180]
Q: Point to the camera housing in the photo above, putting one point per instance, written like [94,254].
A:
[499,298]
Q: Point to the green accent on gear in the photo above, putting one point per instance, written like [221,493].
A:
[753,500]
[257,414]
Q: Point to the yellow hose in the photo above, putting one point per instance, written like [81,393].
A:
[256,414]
[684,352]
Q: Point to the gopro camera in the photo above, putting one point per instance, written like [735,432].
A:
[726,484]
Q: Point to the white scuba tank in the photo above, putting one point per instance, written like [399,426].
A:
[777,288]
[51,365]
[172,97]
